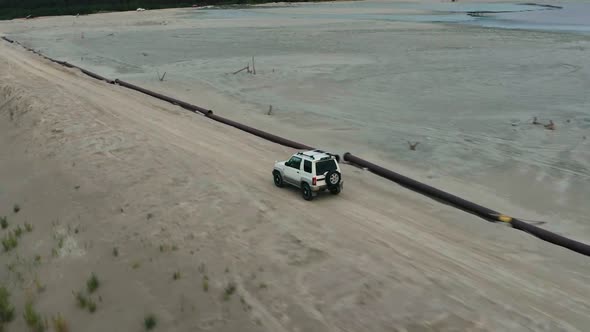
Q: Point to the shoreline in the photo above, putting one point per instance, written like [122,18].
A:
[254,4]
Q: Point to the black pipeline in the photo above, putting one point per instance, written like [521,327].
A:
[87,72]
[171,100]
[468,206]
[95,75]
[209,114]
[260,133]
[63,63]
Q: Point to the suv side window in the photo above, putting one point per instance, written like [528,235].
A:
[307,166]
[295,162]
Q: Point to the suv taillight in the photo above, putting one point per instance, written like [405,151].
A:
[314,181]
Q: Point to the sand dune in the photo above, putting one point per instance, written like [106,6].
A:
[96,167]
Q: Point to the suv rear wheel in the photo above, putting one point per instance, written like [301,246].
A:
[306,192]
[335,190]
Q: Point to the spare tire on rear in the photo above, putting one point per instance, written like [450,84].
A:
[333,179]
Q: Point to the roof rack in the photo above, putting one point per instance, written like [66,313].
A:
[303,154]
[320,151]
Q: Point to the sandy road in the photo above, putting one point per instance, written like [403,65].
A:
[375,258]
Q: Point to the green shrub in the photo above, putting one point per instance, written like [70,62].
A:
[33,318]
[18,231]
[230,289]
[60,324]
[6,309]
[9,242]
[149,322]
[205,283]
[91,305]
[81,300]
[92,284]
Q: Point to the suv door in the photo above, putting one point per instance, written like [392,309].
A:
[292,170]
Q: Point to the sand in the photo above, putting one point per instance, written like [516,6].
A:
[96,167]
[368,85]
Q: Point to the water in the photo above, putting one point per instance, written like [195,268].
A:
[565,17]
[570,18]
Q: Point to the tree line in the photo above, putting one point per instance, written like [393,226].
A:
[10,9]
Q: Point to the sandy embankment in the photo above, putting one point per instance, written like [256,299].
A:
[102,167]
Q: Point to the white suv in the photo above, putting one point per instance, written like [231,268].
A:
[311,171]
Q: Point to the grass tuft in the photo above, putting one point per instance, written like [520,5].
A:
[4,222]
[205,283]
[11,266]
[6,309]
[16,208]
[28,227]
[60,324]
[176,275]
[33,318]
[9,242]
[81,300]
[18,231]
[85,302]
[39,286]
[116,252]
[91,305]
[229,290]
[92,284]
[149,322]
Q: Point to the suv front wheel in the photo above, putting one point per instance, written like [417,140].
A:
[306,192]
[278,179]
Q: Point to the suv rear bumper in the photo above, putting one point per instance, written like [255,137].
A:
[325,187]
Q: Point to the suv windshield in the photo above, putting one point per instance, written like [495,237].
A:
[321,167]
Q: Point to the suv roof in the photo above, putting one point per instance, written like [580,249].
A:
[315,155]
